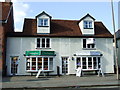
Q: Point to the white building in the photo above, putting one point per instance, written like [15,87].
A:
[46,43]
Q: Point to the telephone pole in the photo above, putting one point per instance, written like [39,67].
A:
[115,50]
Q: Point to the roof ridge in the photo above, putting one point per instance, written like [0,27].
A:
[63,20]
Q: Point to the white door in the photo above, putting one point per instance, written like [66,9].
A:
[14,65]
[64,65]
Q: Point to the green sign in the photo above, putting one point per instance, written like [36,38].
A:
[47,53]
[40,53]
[32,53]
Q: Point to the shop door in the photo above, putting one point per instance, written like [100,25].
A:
[14,65]
[64,65]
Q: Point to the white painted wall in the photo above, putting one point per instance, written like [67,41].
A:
[43,29]
[87,31]
[62,47]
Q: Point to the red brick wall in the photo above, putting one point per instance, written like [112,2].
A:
[4,30]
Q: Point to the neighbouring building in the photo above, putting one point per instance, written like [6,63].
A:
[47,43]
[6,26]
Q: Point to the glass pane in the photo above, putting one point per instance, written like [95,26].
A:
[78,62]
[47,42]
[89,62]
[45,22]
[94,63]
[27,63]
[90,24]
[84,43]
[51,64]
[33,63]
[40,22]
[84,63]
[38,42]
[99,66]
[45,63]
[14,65]
[43,42]
[39,63]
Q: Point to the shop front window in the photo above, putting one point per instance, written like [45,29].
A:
[36,63]
[88,62]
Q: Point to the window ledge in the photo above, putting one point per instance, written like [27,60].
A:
[43,26]
[89,48]
[88,28]
[43,48]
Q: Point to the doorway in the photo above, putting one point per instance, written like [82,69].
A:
[14,65]
[64,65]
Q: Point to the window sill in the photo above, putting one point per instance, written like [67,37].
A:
[43,26]
[43,48]
[89,48]
[88,28]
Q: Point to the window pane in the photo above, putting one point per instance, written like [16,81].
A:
[38,42]
[40,22]
[99,66]
[43,42]
[90,24]
[45,63]
[33,63]
[51,64]
[84,63]
[47,42]
[78,62]
[27,63]
[89,62]
[84,43]
[94,63]
[45,22]
[39,63]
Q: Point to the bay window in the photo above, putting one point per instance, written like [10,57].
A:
[36,63]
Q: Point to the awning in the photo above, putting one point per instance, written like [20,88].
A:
[40,53]
[89,53]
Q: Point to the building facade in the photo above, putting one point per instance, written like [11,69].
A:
[47,43]
[6,26]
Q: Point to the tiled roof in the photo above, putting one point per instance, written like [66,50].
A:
[61,28]
[4,10]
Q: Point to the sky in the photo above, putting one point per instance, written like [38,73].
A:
[69,10]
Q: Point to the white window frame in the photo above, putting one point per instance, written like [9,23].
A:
[87,44]
[45,42]
[87,62]
[37,63]
[43,23]
[89,26]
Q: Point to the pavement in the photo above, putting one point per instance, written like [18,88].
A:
[59,82]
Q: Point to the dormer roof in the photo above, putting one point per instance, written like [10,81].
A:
[43,13]
[88,15]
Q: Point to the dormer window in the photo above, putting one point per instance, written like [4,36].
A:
[43,22]
[87,24]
